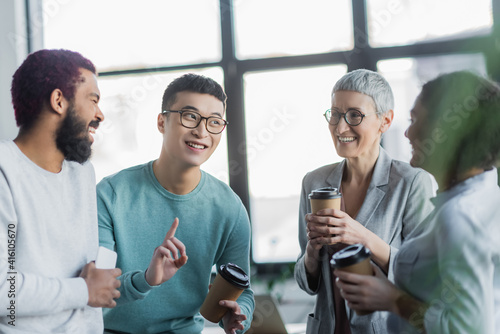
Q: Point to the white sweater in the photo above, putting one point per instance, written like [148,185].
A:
[48,232]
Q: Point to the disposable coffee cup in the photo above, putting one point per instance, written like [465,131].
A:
[325,198]
[229,284]
[353,259]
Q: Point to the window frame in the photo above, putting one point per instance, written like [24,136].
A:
[361,56]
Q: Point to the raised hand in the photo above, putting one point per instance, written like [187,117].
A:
[167,258]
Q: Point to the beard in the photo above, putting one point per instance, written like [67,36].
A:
[72,137]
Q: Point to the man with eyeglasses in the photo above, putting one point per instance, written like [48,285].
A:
[161,290]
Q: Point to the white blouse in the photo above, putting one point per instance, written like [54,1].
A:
[454,265]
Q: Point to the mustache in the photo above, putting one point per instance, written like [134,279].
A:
[94,124]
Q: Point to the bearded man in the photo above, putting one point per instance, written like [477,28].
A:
[48,214]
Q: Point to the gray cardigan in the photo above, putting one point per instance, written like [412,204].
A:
[396,202]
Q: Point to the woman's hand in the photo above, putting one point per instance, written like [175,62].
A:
[368,293]
[329,227]
[332,226]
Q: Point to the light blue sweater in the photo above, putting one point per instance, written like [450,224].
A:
[135,212]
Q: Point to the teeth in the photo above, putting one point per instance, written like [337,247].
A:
[92,130]
[196,146]
[347,139]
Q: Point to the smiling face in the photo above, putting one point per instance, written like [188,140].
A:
[363,139]
[83,115]
[190,147]
[415,134]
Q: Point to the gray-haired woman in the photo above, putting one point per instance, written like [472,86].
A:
[448,278]
[383,201]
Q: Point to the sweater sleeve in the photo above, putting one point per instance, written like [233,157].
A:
[133,284]
[237,251]
[29,294]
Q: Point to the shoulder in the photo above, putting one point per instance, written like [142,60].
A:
[123,182]
[127,175]
[471,214]
[7,152]
[216,187]
[403,172]
[5,145]
[321,173]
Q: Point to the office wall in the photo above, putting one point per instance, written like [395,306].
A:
[13,49]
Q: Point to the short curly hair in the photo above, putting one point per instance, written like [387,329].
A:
[38,76]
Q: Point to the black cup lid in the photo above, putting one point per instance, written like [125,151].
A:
[325,193]
[234,275]
[350,255]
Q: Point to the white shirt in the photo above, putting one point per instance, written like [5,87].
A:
[454,265]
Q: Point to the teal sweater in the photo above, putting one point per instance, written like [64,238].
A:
[135,212]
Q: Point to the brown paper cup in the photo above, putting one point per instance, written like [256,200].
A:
[359,265]
[320,204]
[362,268]
[325,198]
[221,289]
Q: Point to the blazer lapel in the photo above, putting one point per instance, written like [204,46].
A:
[335,178]
[376,189]
[374,195]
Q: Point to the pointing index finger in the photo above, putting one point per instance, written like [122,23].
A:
[171,231]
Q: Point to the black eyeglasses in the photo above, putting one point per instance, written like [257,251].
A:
[191,119]
[352,117]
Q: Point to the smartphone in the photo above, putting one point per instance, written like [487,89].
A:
[106,259]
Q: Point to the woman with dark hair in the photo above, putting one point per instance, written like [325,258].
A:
[447,278]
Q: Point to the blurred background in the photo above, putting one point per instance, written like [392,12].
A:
[278,61]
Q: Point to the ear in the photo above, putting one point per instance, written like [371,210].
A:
[161,123]
[386,121]
[58,102]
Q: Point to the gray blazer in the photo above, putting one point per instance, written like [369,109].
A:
[396,202]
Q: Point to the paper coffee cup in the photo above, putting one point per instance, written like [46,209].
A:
[353,259]
[229,284]
[325,198]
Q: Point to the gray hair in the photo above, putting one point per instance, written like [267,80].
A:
[369,83]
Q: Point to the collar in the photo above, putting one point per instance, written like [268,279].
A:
[480,182]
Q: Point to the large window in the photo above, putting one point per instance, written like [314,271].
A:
[131,34]
[287,136]
[278,61]
[274,28]
[402,22]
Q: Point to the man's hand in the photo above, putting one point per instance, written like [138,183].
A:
[102,285]
[232,318]
[166,260]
